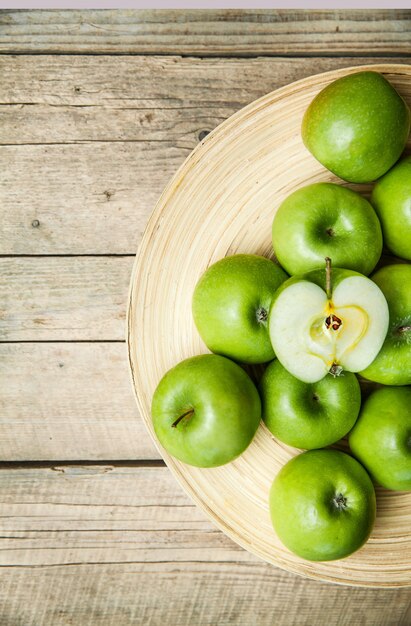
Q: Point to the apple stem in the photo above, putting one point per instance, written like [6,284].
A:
[178,420]
[328,277]
[404,329]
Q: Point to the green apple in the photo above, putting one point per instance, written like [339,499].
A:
[391,198]
[357,126]
[392,366]
[381,439]
[231,302]
[324,322]
[322,505]
[206,410]
[322,220]
[308,415]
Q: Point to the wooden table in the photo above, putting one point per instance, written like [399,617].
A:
[98,109]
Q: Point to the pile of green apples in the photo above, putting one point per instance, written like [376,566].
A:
[317,320]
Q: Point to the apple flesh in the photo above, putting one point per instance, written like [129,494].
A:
[381,439]
[307,415]
[322,220]
[319,325]
[206,410]
[391,198]
[357,126]
[322,505]
[392,365]
[230,305]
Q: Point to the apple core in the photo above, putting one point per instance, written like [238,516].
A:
[333,329]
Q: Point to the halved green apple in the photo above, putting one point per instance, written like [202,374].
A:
[323,323]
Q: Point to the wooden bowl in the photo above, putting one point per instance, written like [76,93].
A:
[222,202]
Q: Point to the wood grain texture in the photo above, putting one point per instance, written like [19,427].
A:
[63,298]
[109,133]
[222,202]
[57,99]
[116,546]
[208,32]
[69,401]
[96,200]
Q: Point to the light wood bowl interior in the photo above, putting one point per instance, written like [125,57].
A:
[222,202]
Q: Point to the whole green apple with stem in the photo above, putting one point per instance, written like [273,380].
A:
[230,305]
[391,198]
[392,365]
[322,505]
[206,410]
[357,126]
[327,322]
[322,220]
[381,438]
[308,415]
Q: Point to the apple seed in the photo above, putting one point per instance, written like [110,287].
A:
[332,321]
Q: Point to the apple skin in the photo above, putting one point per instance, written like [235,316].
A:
[307,415]
[322,505]
[381,438]
[391,198]
[323,220]
[225,405]
[227,302]
[392,366]
[357,126]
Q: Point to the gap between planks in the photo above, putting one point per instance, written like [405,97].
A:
[227,57]
[57,464]
[53,341]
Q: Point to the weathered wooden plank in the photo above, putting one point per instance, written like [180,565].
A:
[187,594]
[139,119]
[96,200]
[54,99]
[69,401]
[208,32]
[115,546]
[63,298]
